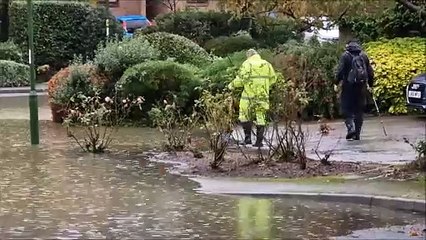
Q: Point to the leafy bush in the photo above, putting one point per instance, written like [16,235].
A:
[116,57]
[61,30]
[69,81]
[223,46]
[13,74]
[198,26]
[317,63]
[158,80]
[10,51]
[73,79]
[271,32]
[395,63]
[179,48]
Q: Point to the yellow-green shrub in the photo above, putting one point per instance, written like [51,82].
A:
[395,63]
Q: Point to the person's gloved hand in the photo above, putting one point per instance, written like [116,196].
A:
[336,88]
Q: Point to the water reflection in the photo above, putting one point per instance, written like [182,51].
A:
[55,191]
[254,218]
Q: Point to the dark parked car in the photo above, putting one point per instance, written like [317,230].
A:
[416,92]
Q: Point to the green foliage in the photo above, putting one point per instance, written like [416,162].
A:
[117,56]
[316,63]
[82,79]
[201,26]
[178,48]
[394,22]
[13,74]
[10,51]
[158,80]
[271,32]
[222,46]
[198,26]
[62,30]
[395,63]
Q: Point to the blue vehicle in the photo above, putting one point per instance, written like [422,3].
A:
[131,23]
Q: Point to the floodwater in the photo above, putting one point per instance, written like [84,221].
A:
[55,191]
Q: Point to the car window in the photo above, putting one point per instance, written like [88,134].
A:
[135,24]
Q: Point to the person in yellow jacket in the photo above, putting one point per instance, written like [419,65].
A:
[256,76]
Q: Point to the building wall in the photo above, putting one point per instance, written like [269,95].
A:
[128,7]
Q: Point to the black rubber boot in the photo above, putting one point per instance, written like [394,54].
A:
[247,127]
[358,128]
[351,129]
[260,132]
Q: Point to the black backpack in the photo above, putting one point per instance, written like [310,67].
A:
[358,72]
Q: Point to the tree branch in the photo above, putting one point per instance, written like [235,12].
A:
[412,7]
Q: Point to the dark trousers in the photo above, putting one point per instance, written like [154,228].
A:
[353,102]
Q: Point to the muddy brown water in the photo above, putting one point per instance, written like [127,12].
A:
[55,191]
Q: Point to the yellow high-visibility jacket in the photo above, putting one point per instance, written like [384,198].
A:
[256,76]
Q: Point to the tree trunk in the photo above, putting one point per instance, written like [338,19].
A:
[4,20]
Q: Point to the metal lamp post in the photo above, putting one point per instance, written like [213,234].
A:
[34,124]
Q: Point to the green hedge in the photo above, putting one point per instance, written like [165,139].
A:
[10,51]
[13,74]
[178,48]
[158,80]
[198,26]
[61,30]
[116,57]
[222,46]
[395,63]
[394,22]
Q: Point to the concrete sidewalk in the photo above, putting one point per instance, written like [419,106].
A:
[393,195]
[373,147]
[40,88]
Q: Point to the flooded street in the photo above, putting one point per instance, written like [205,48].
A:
[54,191]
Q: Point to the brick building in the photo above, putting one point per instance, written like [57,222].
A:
[152,8]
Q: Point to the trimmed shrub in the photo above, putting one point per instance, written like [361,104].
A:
[62,30]
[178,48]
[158,80]
[395,63]
[116,57]
[13,74]
[10,51]
[72,80]
[223,46]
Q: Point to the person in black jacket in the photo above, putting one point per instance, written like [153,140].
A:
[354,94]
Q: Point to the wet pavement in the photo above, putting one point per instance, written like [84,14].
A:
[55,191]
[374,146]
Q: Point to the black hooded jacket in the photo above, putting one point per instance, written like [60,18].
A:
[346,64]
[353,97]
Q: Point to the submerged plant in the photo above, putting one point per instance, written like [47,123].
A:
[92,121]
